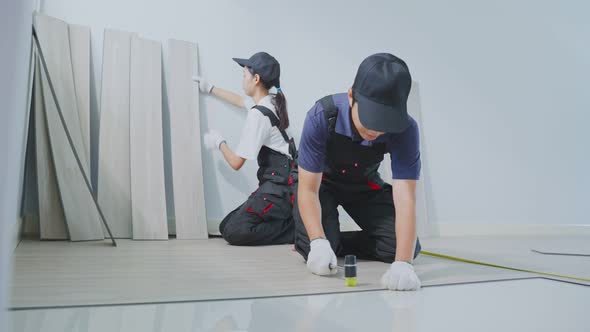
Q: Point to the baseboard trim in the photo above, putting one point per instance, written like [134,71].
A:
[213,226]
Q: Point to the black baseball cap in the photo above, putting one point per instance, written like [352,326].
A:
[381,88]
[265,65]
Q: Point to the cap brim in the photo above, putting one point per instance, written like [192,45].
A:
[383,118]
[243,62]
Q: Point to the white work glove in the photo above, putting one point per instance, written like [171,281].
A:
[213,140]
[204,86]
[321,259]
[400,276]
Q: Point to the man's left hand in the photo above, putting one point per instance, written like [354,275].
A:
[400,276]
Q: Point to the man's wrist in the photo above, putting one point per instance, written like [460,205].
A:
[317,238]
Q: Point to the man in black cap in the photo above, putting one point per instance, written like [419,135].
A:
[342,145]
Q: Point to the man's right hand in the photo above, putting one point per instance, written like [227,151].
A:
[321,259]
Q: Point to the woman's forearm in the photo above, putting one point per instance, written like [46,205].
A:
[231,97]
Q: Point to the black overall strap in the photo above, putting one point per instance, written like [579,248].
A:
[275,122]
[330,112]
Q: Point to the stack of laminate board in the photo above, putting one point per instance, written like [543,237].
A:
[130,187]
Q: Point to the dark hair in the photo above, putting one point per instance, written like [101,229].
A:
[279,101]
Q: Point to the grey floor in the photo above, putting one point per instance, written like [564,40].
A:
[517,251]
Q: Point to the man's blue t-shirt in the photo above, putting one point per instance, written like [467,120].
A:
[404,147]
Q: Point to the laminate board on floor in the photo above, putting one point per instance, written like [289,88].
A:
[63,273]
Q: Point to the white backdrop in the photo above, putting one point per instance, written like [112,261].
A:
[503,87]
[15,41]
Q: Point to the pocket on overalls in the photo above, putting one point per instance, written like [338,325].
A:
[270,202]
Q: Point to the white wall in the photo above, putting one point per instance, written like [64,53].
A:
[15,39]
[501,83]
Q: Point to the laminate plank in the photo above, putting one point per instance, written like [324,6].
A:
[114,174]
[80,54]
[51,215]
[55,42]
[148,197]
[187,169]
[82,217]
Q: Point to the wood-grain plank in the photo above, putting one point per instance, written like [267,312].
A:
[148,197]
[114,183]
[82,217]
[187,170]
[55,42]
[52,224]
[80,54]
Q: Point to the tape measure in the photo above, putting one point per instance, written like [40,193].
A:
[470,261]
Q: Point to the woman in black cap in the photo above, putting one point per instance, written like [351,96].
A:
[266,217]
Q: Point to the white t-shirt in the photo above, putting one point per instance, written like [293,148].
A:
[258,132]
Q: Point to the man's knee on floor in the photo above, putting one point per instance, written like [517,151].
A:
[386,257]
[418,248]
[387,253]
[302,247]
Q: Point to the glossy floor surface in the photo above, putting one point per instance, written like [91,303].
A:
[517,305]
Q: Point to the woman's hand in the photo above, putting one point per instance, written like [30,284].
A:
[213,140]
[204,85]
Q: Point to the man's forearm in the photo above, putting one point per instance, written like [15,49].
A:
[311,212]
[405,230]
[404,197]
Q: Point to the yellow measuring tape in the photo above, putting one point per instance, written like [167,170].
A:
[465,260]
